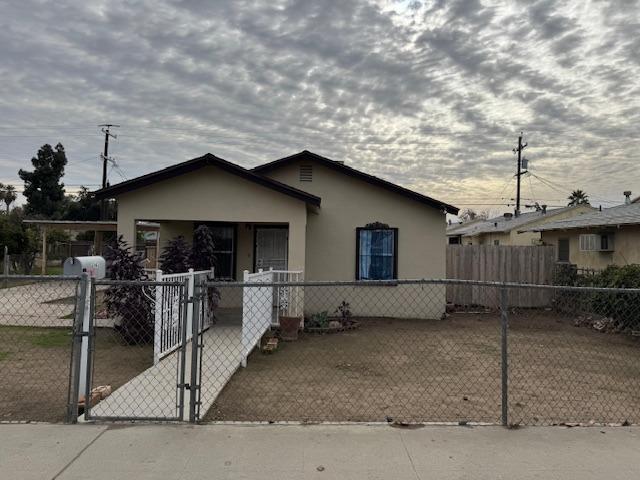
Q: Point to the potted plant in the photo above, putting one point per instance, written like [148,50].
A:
[289,327]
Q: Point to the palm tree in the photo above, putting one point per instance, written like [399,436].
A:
[578,197]
[9,195]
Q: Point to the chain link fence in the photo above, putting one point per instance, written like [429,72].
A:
[408,351]
[36,335]
[398,352]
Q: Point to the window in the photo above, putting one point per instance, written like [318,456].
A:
[224,241]
[563,250]
[376,253]
[496,242]
[593,242]
[454,240]
[306,173]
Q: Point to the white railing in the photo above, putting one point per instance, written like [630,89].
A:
[169,311]
[263,306]
[288,299]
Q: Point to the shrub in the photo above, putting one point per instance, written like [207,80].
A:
[344,310]
[319,320]
[203,257]
[622,307]
[131,305]
[176,256]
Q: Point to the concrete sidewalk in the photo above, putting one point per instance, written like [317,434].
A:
[316,452]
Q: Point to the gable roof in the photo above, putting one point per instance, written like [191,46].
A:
[342,168]
[504,224]
[200,162]
[607,217]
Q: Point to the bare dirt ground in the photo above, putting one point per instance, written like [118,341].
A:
[34,369]
[442,370]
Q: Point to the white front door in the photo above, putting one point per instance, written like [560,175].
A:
[272,248]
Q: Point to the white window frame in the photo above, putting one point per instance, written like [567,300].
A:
[592,242]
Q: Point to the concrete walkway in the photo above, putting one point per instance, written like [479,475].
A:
[316,452]
[153,393]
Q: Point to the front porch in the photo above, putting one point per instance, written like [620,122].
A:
[242,246]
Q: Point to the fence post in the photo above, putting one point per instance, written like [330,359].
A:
[158,324]
[504,320]
[194,384]
[245,315]
[78,352]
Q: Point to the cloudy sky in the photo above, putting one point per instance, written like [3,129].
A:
[429,94]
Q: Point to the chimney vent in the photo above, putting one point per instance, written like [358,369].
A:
[544,209]
[627,197]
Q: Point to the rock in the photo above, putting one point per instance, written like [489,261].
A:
[335,324]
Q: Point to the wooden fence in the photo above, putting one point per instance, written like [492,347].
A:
[500,263]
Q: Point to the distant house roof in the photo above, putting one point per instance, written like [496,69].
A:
[197,163]
[341,167]
[505,224]
[90,225]
[607,217]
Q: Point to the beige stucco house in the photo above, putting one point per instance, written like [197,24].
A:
[304,212]
[508,229]
[610,236]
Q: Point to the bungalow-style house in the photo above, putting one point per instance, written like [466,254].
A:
[304,212]
[610,236]
[509,229]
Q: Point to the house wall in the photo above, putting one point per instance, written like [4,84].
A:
[348,203]
[626,247]
[211,194]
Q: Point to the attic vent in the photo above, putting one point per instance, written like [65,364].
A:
[306,173]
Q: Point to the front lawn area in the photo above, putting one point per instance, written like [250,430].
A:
[442,370]
[34,369]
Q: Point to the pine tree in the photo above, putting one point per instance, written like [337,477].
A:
[42,187]
[176,256]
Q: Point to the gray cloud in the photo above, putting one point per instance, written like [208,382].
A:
[429,94]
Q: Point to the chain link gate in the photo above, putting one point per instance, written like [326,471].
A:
[134,350]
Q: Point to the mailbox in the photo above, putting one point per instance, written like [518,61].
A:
[94,266]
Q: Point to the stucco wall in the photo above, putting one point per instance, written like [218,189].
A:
[348,203]
[210,194]
[626,247]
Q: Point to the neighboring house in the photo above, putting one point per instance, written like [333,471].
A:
[303,212]
[610,236]
[508,229]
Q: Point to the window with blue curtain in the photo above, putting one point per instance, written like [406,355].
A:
[377,253]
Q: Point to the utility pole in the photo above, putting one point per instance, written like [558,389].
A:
[106,129]
[519,171]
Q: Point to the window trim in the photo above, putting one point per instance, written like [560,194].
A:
[395,253]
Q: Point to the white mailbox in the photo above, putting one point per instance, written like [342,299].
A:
[95,266]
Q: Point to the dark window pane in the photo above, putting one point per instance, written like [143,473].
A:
[377,249]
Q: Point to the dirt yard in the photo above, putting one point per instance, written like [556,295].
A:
[446,370]
[34,369]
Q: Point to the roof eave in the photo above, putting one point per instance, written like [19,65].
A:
[270,166]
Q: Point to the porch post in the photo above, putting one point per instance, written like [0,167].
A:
[297,244]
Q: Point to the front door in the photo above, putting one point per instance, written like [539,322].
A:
[272,248]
